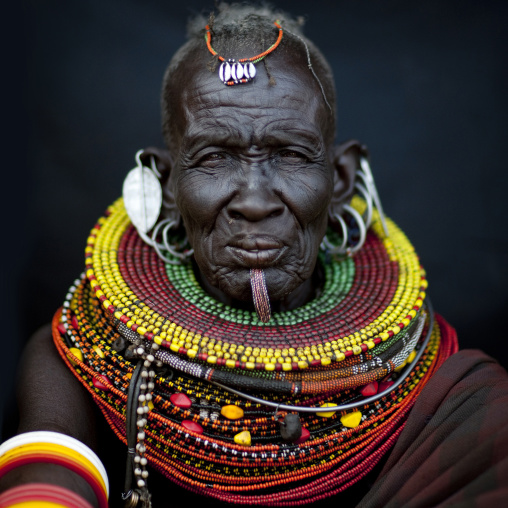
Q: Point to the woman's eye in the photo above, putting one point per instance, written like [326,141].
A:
[292,155]
[212,159]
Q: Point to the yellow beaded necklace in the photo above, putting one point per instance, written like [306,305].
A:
[104,274]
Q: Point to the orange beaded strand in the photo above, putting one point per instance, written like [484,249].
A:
[253,59]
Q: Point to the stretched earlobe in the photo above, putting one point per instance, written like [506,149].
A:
[163,161]
[346,161]
[352,174]
[161,157]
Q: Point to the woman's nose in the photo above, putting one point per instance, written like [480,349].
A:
[255,198]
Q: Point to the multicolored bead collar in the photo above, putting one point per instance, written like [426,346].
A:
[160,355]
[365,301]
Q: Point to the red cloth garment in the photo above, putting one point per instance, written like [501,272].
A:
[453,450]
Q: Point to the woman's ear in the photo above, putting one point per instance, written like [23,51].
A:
[162,159]
[164,164]
[346,161]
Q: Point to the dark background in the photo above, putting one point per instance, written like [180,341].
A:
[423,84]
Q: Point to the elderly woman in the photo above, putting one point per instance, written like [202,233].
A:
[248,323]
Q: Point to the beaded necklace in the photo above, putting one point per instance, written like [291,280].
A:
[156,352]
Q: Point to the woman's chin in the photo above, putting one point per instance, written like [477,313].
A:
[230,286]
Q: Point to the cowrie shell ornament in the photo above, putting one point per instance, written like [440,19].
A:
[232,72]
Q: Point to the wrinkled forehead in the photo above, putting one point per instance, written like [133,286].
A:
[283,90]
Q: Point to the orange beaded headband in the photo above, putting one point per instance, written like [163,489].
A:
[232,72]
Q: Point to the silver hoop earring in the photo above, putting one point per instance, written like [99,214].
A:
[367,215]
[345,247]
[368,179]
[361,228]
[367,190]
[326,245]
[170,248]
[176,257]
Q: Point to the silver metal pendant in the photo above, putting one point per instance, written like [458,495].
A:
[142,196]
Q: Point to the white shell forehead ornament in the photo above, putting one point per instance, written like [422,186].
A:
[243,70]
[236,72]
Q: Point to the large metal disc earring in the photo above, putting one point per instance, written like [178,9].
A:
[142,195]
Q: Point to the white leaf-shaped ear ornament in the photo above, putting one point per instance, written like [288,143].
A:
[142,196]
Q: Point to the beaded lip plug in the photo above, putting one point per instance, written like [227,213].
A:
[232,72]
[260,294]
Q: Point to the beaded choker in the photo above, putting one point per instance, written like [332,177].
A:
[279,413]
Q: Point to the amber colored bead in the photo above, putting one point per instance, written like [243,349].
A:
[351,420]
[243,438]
[232,412]
[98,351]
[77,353]
[326,414]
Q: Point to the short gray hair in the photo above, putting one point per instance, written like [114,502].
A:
[235,26]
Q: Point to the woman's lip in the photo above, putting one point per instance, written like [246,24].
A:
[257,258]
[256,243]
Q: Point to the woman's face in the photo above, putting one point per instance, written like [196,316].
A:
[253,176]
